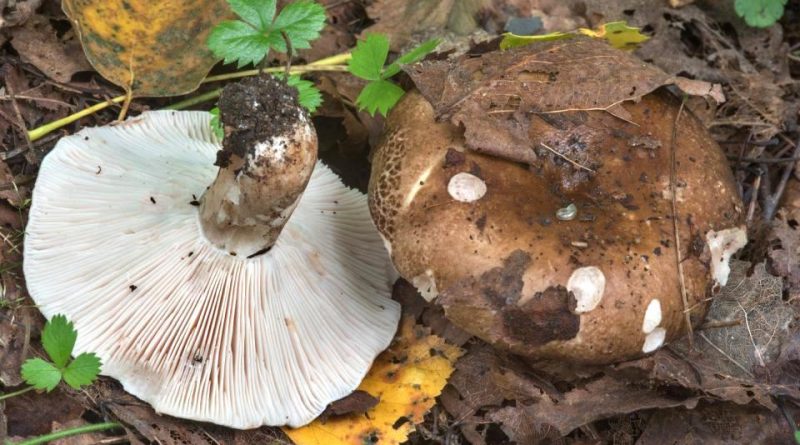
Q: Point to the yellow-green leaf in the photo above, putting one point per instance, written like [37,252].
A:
[618,34]
[513,40]
[150,48]
[406,378]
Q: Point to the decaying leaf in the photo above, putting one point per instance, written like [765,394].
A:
[58,59]
[151,48]
[498,89]
[406,378]
[785,254]
[752,304]
[718,424]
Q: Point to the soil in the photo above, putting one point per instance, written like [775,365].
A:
[254,110]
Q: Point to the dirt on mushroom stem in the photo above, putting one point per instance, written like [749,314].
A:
[266,160]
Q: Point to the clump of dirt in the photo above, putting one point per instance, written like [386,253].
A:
[255,110]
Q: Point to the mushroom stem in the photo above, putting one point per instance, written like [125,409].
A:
[267,157]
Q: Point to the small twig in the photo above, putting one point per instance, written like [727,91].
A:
[719,324]
[771,199]
[288,53]
[764,161]
[752,207]
[21,120]
[673,191]
[566,158]
[39,99]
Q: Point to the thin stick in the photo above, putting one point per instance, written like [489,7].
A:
[752,207]
[21,120]
[725,354]
[288,53]
[566,158]
[673,191]
[39,132]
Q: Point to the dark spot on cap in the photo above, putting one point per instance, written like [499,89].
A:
[132,287]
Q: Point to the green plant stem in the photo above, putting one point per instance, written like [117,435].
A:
[16,393]
[209,95]
[69,432]
[333,63]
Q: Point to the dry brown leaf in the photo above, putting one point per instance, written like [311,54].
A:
[718,424]
[18,12]
[599,399]
[33,414]
[785,254]
[153,48]
[38,45]
[491,96]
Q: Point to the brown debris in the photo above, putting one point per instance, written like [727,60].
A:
[58,59]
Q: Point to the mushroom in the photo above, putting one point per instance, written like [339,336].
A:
[257,300]
[572,257]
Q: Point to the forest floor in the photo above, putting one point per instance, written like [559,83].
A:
[737,383]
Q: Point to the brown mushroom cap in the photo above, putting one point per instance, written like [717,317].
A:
[482,233]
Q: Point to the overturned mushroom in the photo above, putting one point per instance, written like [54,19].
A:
[574,256]
[257,300]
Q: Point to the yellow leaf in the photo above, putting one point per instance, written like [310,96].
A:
[154,48]
[511,40]
[618,34]
[406,378]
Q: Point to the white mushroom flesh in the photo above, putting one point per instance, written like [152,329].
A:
[466,187]
[426,285]
[188,328]
[652,316]
[723,244]
[654,340]
[587,284]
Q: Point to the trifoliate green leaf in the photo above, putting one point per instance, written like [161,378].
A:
[380,95]
[216,124]
[369,56]
[235,41]
[58,339]
[415,55]
[258,13]
[40,374]
[760,13]
[82,371]
[301,21]
[249,40]
[307,93]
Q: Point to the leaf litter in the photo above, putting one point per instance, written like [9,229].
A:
[707,45]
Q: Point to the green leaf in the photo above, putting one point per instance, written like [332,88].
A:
[58,339]
[415,55]
[797,436]
[369,56]
[40,374]
[380,95]
[307,93]
[258,13]
[216,124]
[760,13]
[83,370]
[301,21]
[235,41]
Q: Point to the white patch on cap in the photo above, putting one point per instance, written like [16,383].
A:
[652,316]
[466,187]
[587,284]
[426,285]
[654,340]
[723,245]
